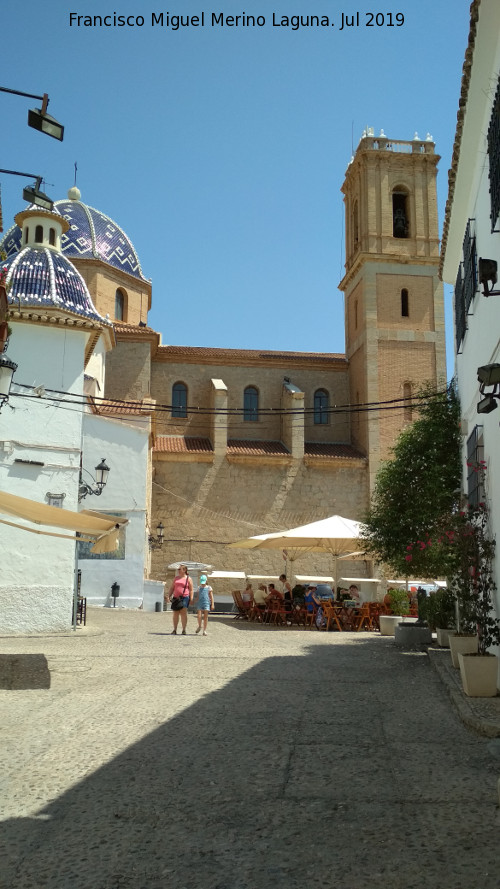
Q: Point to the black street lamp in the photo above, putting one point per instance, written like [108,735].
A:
[157,542]
[32,194]
[101,477]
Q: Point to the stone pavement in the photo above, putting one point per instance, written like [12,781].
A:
[254,758]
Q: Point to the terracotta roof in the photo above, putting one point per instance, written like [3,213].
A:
[181,444]
[238,446]
[207,355]
[122,327]
[327,450]
[462,105]
[120,409]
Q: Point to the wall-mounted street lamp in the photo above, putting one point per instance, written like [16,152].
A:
[32,194]
[99,482]
[488,375]
[488,275]
[38,118]
[7,371]
[157,542]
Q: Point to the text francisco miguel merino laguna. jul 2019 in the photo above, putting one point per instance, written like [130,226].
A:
[203,19]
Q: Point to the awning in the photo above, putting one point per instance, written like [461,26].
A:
[362,579]
[93,526]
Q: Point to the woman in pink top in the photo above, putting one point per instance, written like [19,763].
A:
[182,587]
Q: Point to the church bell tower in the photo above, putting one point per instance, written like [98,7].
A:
[394,306]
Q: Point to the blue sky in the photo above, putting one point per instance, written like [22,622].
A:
[221,151]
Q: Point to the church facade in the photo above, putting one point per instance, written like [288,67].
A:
[245,441]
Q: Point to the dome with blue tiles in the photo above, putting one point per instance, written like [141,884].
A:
[43,278]
[91,235]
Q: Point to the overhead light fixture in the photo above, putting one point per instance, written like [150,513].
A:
[44,123]
[7,371]
[489,374]
[157,542]
[33,195]
[488,273]
[487,404]
[101,477]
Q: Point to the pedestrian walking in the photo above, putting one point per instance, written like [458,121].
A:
[205,603]
[180,595]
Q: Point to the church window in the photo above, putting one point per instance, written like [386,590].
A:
[251,404]
[494,158]
[407,390]
[39,234]
[119,305]
[179,400]
[52,237]
[405,309]
[26,234]
[321,404]
[400,221]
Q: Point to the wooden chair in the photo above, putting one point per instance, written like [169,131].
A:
[376,609]
[310,618]
[363,618]
[331,615]
[243,609]
[277,612]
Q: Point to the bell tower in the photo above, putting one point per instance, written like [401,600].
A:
[394,306]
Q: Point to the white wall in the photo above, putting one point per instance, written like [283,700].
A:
[124,445]
[37,572]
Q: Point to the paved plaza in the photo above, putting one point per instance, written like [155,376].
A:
[254,758]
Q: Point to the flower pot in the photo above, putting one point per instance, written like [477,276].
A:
[388,623]
[479,674]
[461,644]
[443,636]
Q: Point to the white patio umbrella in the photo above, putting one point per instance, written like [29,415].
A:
[335,535]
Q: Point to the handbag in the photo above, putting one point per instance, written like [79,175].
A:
[178,601]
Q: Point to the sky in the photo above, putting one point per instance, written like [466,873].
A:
[221,151]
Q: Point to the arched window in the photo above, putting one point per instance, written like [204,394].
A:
[179,400]
[39,234]
[251,404]
[52,237]
[405,306]
[119,305]
[400,215]
[407,390]
[321,403]
[26,234]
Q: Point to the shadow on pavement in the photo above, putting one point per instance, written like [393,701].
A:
[23,671]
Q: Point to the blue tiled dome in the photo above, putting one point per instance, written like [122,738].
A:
[40,277]
[91,235]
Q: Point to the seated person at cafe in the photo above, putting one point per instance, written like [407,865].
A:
[354,594]
[274,593]
[323,591]
[247,594]
[260,595]
[342,594]
[311,601]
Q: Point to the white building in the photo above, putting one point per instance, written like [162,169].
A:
[472,235]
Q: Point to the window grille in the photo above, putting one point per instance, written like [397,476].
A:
[460,315]
[475,454]
[494,156]
[470,264]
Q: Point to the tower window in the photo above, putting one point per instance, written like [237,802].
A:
[355,224]
[52,237]
[405,310]
[39,234]
[251,404]
[119,305]
[26,234]
[321,404]
[400,223]
[179,400]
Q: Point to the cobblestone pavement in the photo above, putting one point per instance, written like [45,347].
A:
[254,758]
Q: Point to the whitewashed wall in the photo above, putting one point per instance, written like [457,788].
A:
[37,572]
[124,445]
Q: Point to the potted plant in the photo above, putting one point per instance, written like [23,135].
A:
[442,615]
[398,604]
